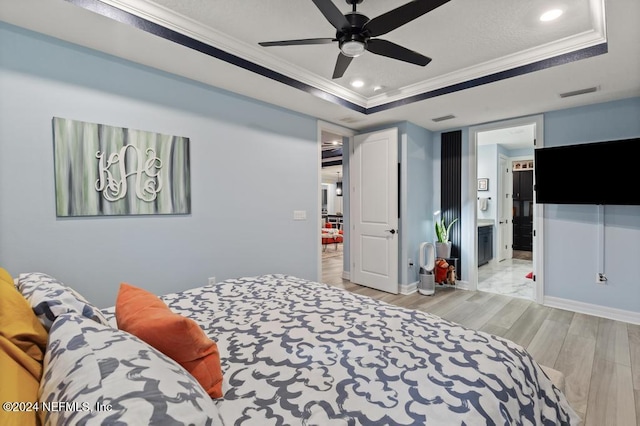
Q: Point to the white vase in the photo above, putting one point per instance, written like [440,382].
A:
[443,250]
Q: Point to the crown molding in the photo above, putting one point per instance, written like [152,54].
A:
[184,25]
[181,24]
[526,57]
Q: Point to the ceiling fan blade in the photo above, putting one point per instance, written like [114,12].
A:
[401,15]
[332,13]
[394,51]
[341,65]
[303,41]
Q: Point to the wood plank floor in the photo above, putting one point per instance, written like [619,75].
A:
[599,357]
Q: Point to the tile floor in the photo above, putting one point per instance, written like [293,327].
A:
[507,277]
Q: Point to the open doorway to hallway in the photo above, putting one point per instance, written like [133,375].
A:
[332,206]
[505,211]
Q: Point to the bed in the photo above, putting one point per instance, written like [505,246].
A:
[296,352]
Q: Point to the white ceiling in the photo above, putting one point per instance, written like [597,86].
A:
[517,137]
[467,39]
[331,174]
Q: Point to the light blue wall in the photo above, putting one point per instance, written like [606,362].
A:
[571,247]
[524,152]
[488,168]
[418,219]
[252,165]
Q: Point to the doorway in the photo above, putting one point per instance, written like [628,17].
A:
[333,235]
[509,259]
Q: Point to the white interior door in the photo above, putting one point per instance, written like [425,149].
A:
[374,210]
[505,214]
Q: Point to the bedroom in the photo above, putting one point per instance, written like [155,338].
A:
[252,166]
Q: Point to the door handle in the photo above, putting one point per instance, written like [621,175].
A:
[393,231]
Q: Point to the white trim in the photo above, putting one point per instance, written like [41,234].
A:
[555,48]
[161,15]
[472,215]
[197,30]
[409,288]
[590,309]
[346,275]
[462,285]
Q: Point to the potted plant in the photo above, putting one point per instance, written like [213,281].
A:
[443,245]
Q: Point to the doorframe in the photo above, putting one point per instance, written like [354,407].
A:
[325,126]
[504,182]
[471,214]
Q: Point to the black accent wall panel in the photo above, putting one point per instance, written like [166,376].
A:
[451,188]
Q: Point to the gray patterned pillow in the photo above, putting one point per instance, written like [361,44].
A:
[107,376]
[49,298]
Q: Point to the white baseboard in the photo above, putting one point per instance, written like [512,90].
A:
[413,287]
[346,275]
[409,288]
[462,285]
[590,309]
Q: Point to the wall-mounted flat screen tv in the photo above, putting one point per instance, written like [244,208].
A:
[590,173]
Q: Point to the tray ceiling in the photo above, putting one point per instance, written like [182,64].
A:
[491,60]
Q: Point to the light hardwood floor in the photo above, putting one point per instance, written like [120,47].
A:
[599,357]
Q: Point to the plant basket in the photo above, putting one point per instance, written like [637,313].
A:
[443,250]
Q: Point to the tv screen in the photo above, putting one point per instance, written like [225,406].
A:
[590,173]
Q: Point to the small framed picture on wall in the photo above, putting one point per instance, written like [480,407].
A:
[483,184]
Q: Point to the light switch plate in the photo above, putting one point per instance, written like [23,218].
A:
[299,215]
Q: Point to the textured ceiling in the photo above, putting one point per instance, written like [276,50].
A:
[457,35]
[475,46]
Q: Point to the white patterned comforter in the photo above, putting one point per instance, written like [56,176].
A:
[298,352]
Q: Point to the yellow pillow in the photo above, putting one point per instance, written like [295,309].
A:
[23,341]
[5,276]
[18,385]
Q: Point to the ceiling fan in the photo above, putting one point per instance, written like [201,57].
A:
[355,31]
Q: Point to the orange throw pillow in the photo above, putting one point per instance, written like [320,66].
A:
[144,315]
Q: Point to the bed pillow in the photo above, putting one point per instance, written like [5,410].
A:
[5,276]
[49,298]
[112,377]
[143,314]
[23,342]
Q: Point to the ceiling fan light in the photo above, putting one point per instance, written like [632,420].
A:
[352,48]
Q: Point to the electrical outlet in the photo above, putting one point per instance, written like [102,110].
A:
[601,278]
[212,280]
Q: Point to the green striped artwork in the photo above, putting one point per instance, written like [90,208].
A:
[103,170]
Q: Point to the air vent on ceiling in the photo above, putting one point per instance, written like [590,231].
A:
[443,118]
[350,120]
[579,92]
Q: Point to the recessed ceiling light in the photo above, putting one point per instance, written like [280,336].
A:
[357,83]
[550,15]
